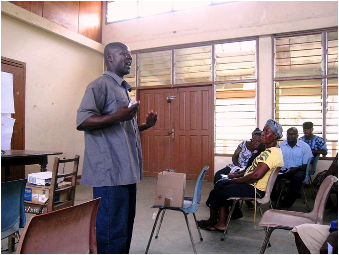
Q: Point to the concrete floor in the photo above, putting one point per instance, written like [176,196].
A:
[242,236]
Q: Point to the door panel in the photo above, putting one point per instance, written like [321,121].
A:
[194,130]
[182,139]
[156,143]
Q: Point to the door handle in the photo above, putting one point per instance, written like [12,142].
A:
[171,133]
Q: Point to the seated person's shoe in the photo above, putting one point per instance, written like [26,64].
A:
[237,214]
[274,204]
[284,205]
[329,203]
[249,204]
[334,209]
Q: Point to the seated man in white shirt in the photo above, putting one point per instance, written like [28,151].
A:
[296,154]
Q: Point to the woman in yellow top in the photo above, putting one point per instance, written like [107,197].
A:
[255,178]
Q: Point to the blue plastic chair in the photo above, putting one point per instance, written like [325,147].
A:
[190,205]
[12,210]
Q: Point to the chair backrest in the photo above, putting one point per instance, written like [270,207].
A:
[197,189]
[51,206]
[311,167]
[70,230]
[12,207]
[65,193]
[269,186]
[317,214]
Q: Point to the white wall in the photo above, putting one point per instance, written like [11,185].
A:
[57,73]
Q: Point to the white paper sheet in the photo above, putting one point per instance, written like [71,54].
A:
[7,124]
[7,98]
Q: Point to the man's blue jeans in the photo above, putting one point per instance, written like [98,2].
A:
[115,218]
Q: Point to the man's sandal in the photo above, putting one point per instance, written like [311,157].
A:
[203,224]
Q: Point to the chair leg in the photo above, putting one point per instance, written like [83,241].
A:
[281,190]
[196,223]
[313,191]
[11,243]
[305,199]
[241,203]
[260,209]
[267,238]
[162,217]
[268,244]
[150,238]
[189,231]
[228,220]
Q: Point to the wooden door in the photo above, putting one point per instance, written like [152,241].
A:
[18,69]
[182,139]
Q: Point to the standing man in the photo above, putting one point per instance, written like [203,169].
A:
[317,144]
[296,154]
[112,159]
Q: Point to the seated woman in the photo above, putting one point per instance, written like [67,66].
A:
[254,180]
[241,155]
[242,158]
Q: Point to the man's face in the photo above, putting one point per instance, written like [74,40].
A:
[121,60]
[308,132]
[292,136]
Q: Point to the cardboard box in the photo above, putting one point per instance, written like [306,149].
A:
[170,189]
[41,178]
[39,194]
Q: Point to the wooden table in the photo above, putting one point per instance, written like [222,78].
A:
[24,157]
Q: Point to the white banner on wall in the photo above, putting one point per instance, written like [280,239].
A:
[7,108]
[7,124]
[7,98]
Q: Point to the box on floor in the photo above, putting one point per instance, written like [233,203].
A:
[39,194]
[170,189]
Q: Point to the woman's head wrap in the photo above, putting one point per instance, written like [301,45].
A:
[275,127]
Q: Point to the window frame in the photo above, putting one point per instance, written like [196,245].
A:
[212,3]
[324,77]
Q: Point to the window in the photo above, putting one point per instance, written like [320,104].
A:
[184,5]
[126,10]
[306,83]
[148,8]
[193,65]
[155,68]
[235,104]
[121,10]
[332,117]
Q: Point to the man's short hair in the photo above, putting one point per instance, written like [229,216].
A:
[111,46]
[307,125]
